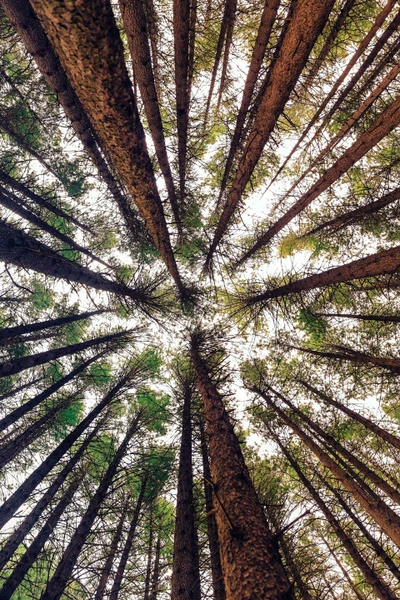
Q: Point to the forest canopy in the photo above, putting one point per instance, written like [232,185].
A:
[199,311]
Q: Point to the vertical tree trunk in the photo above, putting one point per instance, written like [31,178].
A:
[58,581]
[146,594]
[156,571]
[185,582]
[250,559]
[128,545]
[212,531]
[106,570]
[341,567]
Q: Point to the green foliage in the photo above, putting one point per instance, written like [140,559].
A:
[72,333]
[101,452]
[99,374]
[67,418]
[54,372]
[125,274]
[42,297]
[315,327]
[146,254]
[156,409]
[19,350]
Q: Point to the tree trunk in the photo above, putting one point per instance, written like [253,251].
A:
[32,518]
[382,433]
[185,582]
[308,20]
[102,81]
[146,594]
[134,19]
[16,500]
[34,360]
[380,589]
[156,571]
[18,389]
[10,202]
[357,215]
[384,516]
[58,581]
[329,442]
[381,263]
[11,332]
[264,32]
[228,42]
[341,567]
[212,531]
[22,410]
[128,545]
[384,124]
[250,559]
[32,553]
[22,250]
[106,570]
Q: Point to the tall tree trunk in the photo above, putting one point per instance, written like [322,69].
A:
[30,30]
[103,81]
[264,31]
[11,202]
[32,553]
[384,124]
[250,559]
[381,263]
[32,518]
[22,410]
[308,20]
[58,581]
[128,545]
[134,19]
[22,250]
[330,443]
[22,189]
[18,389]
[383,515]
[357,215]
[341,567]
[11,332]
[185,582]
[146,594]
[16,500]
[382,433]
[212,530]
[181,22]
[106,570]
[156,571]
[228,42]
[380,589]
[34,360]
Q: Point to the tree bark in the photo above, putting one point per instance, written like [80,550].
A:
[34,360]
[382,433]
[212,530]
[92,55]
[58,581]
[250,559]
[308,20]
[228,42]
[381,263]
[383,515]
[185,581]
[18,389]
[156,571]
[146,594]
[32,553]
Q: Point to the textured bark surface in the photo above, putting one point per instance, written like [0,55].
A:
[232,6]
[379,587]
[87,41]
[185,582]
[383,515]
[382,433]
[250,559]
[308,20]
[381,263]
[156,571]
[106,570]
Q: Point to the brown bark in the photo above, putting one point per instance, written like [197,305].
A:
[58,581]
[128,545]
[30,30]
[263,35]
[32,553]
[308,20]
[384,124]
[106,570]
[87,41]
[382,433]
[382,514]
[381,263]
[212,530]
[181,22]
[330,443]
[156,571]
[149,556]
[185,582]
[134,19]
[357,215]
[251,564]
[380,19]
[379,587]
[228,42]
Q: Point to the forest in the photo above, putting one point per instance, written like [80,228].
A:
[199,300]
